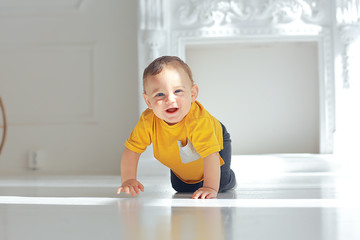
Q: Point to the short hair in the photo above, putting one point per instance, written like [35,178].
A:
[156,66]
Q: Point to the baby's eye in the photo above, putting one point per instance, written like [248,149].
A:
[178,91]
[159,95]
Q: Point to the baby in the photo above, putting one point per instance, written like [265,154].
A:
[185,137]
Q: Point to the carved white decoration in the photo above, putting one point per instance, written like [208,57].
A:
[349,34]
[179,39]
[151,14]
[154,39]
[152,26]
[219,12]
[348,18]
[348,11]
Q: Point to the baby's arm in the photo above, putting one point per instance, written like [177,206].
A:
[211,178]
[129,163]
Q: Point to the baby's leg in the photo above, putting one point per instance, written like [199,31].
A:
[227,179]
[181,186]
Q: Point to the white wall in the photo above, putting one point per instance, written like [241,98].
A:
[266,94]
[68,78]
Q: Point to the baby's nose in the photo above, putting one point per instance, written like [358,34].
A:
[171,98]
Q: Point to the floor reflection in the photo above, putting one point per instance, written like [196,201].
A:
[141,220]
[296,207]
[198,223]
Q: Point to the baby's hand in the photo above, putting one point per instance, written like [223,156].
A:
[131,186]
[204,193]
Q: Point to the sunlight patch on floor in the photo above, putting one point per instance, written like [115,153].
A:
[254,203]
[57,200]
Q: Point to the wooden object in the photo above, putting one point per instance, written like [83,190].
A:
[3,138]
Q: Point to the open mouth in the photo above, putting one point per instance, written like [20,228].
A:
[172,110]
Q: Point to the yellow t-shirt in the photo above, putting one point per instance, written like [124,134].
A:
[182,146]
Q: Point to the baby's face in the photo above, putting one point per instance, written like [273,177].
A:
[170,94]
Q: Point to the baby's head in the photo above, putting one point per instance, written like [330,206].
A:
[156,66]
[169,88]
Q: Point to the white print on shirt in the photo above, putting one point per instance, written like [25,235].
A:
[188,153]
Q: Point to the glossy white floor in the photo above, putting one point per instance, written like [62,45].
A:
[317,205]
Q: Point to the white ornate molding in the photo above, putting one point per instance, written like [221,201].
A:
[179,39]
[152,27]
[220,12]
[348,12]
[349,34]
[348,20]
[154,41]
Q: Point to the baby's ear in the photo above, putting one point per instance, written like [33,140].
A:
[194,92]
[147,101]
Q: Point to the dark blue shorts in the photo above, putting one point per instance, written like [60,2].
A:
[227,177]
